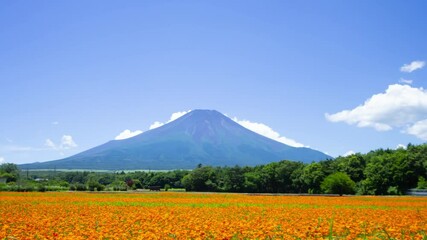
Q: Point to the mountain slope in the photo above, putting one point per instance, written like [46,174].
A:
[200,136]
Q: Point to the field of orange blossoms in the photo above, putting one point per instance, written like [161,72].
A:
[69,215]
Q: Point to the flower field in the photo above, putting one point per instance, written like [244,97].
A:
[69,215]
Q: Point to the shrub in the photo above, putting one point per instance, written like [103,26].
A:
[338,183]
[422,183]
[118,186]
[393,190]
[78,187]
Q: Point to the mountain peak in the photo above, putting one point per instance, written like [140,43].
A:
[200,136]
[205,113]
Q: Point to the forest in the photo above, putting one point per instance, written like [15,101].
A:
[378,172]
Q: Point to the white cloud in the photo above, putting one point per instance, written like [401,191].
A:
[55,123]
[414,65]
[400,146]
[2,160]
[127,134]
[399,106]
[67,142]
[418,129]
[406,81]
[177,115]
[173,117]
[156,124]
[348,153]
[50,144]
[267,131]
[259,128]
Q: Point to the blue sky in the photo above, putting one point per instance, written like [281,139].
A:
[326,74]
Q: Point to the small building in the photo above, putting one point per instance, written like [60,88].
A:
[417,192]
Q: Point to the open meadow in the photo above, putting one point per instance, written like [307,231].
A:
[75,215]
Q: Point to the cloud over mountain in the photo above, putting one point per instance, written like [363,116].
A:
[173,117]
[127,134]
[267,131]
[259,128]
[200,136]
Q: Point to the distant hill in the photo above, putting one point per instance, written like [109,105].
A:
[201,136]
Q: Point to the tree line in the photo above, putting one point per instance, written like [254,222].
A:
[379,172]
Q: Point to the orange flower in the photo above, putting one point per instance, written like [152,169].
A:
[208,216]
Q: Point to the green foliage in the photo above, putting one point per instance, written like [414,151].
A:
[233,179]
[117,186]
[353,165]
[422,183]
[78,187]
[9,171]
[252,182]
[377,172]
[137,184]
[93,185]
[393,190]
[338,183]
[200,179]
[8,176]
[313,175]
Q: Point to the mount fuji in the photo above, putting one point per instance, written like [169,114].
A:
[199,137]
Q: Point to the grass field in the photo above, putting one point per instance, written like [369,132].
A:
[69,215]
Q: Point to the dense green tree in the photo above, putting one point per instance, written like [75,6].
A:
[200,179]
[252,181]
[313,175]
[9,171]
[383,171]
[422,183]
[353,165]
[338,183]
[93,184]
[269,177]
[298,183]
[233,179]
[285,177]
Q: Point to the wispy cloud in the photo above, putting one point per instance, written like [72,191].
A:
[49,143]
[400,146]
[349,153]
[127,134]
[400,106]
[418,129]
[66,142]
[414,65]
[156,124]
[267,131]
[2,160]
[173,117]
[405,81]
[259,128]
